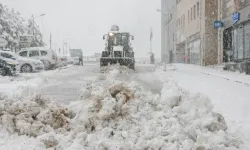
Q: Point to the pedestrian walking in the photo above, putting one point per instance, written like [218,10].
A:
[81,59]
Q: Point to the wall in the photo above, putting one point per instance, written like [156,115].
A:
[211,34]
[243,17]
[190,28]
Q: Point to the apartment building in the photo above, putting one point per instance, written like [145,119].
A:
[196,38]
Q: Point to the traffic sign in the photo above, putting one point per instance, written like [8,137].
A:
[3,42]
[25,41]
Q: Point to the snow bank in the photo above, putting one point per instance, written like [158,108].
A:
[33,117]
[121,115]
[124,116]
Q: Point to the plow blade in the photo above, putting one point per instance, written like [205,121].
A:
[130,63]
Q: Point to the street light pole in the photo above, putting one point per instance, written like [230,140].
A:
[33,25]
[66,42]
[33,28]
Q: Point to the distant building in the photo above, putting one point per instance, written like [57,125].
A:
[196,37]
[168,34]
[75,52]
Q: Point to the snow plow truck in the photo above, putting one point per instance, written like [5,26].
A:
[118,49]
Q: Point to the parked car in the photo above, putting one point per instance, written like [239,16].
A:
[26,65]
[47,56]
[74,60]
[8,66]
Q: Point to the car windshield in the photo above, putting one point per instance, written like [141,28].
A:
[125,75]
[8,55]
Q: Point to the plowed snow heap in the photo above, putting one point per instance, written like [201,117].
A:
[122,116]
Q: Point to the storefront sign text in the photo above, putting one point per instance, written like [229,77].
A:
[218,24]
[236,17]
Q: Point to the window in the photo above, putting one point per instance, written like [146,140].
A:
[34,53]
[191,14]
[188,16]
[44,53]
[183,21]
[247,40]
[6,55]
[194,12]
[240,44]
[23,54]
[179,24]
[198,9]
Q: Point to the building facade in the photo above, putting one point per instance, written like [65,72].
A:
[168,35]
[235,34]
[196,38]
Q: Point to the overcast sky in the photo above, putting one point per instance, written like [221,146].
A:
[85,21]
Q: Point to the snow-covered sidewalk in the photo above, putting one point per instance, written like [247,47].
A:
[229,97]
[228,91]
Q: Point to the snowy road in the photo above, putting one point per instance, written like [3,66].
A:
[229,97]
[68,83]
[64,86]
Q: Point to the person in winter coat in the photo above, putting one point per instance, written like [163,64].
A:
[81,59]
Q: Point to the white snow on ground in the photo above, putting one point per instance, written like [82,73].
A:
[115,114]
[228,91]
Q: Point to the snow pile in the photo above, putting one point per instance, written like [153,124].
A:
[33,117]
[120,115]
[124,116]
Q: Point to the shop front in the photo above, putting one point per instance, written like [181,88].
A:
[237,43]
[193,49]
[236,35]
[179,56]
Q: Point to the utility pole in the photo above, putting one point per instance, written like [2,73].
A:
[151,38]
[50,41]
[33,29]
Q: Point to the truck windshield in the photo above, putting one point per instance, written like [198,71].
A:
[118,39]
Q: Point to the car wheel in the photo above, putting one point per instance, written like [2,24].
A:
[26,68]
[2,72]
[47,64]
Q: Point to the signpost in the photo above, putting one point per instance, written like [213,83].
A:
[218,24]
[3,43]
[25,41]
[236,17]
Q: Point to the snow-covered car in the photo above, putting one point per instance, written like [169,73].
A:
[47,56]
[8,66]
[26,65]
[74,60]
